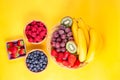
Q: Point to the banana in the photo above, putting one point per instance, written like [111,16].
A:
[85,28]
[74,31]
[93,45]
[82,45]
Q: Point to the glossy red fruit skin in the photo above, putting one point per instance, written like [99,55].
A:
[21,51]
[66,63]
[10,44]
[54,53]
[13,49]
[13,56]
[20,43]
[76,65]
[66,54]
[71,59]
[59,58]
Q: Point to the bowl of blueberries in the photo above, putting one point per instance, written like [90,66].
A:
[36,60]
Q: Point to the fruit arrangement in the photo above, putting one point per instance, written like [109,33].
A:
[73,43]
[35,31]
[16,49]
[36,61]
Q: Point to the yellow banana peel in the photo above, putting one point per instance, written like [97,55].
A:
[82,46]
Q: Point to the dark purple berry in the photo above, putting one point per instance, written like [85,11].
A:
[61,32]
[58,49]
[57,45]
[62,27]
[62,44]
[69,34]
[70,38]
[58,40]
[63,36]
[67,30]
[63,49]
[53,44]
[55,34]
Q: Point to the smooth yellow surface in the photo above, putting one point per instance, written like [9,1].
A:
[104,15]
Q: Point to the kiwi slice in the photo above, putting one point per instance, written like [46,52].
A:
[71,47]
[67,21]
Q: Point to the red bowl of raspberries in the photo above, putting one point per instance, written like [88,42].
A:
[36,32]
[62,46]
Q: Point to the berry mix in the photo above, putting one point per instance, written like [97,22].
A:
[63,47]
[36,61]
[35,31]
[16,49]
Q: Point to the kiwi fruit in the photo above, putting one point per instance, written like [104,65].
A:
[71,47]
[67,21]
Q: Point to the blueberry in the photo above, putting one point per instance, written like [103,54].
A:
[41,60]
[41,65]
[42,57]
[41,53]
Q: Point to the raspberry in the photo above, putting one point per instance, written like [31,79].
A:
[34,29]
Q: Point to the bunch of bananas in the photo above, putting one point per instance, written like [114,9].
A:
[86,39]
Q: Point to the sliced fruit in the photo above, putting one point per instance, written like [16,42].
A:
[71,59]
[71,47]
[67,21]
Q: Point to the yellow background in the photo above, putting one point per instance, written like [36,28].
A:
[104,15]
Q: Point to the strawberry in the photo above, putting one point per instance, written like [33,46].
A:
[66,54]
[12,56]
[54,53]
[71,59]
[59,57]
[65,63]
[21,51]
[77,63]
[10,44]
[13,50]
[20,43]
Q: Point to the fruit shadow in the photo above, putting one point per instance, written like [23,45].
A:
[30,47]
[13,38]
